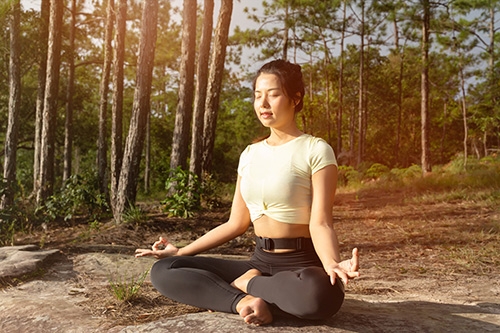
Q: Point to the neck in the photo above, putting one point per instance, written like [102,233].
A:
[279,137]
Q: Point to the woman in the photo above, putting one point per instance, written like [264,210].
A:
[286,186]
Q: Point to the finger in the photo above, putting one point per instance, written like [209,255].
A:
[333,277]
[355,259]
[343,276]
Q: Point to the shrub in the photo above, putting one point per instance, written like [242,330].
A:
[79,196]
[184,190]
[376,170]
[347,175]
[13,218]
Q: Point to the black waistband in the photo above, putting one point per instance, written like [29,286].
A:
[269,244]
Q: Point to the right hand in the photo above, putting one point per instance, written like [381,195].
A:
[160,249]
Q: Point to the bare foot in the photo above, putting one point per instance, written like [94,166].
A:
[254,311]
[241,283]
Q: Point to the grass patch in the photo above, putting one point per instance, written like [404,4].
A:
[125,289]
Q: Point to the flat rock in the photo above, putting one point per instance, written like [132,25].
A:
[18,261]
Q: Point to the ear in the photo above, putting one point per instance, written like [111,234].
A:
[297,99]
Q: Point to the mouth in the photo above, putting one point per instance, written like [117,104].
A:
[266,114]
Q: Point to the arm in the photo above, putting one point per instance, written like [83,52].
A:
[321,228]
[238,223]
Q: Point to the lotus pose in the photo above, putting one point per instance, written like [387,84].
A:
[285,187]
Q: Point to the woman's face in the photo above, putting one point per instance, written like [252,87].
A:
[273,108]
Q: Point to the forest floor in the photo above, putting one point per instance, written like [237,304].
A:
[409,245]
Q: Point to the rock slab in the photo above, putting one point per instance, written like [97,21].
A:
[18,261]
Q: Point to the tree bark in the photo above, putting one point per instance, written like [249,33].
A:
[117,107]
[340,110]
[42,73]
[215,82]
[68,125]
[50,102]
[11,137]
[127,187]
[102,151]
[201,89]
[361,97]
[184,113]
[425,89]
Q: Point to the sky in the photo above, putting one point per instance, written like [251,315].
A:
[239,18]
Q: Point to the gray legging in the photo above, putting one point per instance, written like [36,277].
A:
[294,283]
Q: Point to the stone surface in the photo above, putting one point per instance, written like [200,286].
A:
[16,261]
[50,303]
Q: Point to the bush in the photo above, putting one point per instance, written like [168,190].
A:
[184,196]
[187,192]
[376,170]
[347,175]
[13,218]
[79,196]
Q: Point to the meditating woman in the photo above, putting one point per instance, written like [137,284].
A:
[285,187]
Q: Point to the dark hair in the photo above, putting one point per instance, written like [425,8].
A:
[290,77]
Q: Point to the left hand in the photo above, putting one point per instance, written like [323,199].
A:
[345,270]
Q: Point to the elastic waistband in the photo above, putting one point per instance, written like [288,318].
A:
[270,244]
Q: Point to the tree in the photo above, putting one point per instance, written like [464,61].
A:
[426,19]
[127,186]
[117,107]
[195,161]
[42,73]
[215,82]
[68,126]
[103,103]
[50,102]
[11,139]
[184,113]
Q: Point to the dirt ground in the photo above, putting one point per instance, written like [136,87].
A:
[409,246]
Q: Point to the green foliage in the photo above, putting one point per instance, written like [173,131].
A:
[376,170]
[79,196]
[126,289]
[134,215]
[13,218]
[347,175]
[184,195]
[187,193]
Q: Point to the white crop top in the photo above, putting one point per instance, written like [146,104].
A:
[276,180]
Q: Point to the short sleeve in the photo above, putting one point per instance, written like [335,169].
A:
[321,156]
[244,159]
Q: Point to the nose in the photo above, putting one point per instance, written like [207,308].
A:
[264,103]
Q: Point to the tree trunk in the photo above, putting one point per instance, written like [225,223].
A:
[68,126]
[103,103]
[340,110]
[464,114]
[42,73]
[50,102]
[215,82]
[361,97]
[184,113]
[147,154]
[425,89]
[201,89]
[117,107]
[400,55]
[11,137]
[127,187]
